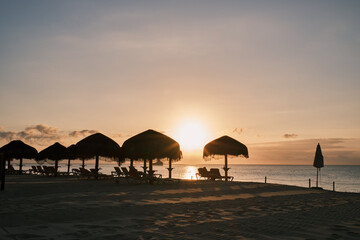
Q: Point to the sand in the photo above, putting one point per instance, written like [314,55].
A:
[35,207]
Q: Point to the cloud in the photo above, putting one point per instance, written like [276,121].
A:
[82,133]
[290,135]
[335,150]
[238,130]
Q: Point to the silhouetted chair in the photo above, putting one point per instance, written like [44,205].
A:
[215,174]
[117,172]
[203,173]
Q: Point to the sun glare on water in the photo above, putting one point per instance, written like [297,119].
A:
[191,135]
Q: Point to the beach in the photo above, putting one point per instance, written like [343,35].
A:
[36,207]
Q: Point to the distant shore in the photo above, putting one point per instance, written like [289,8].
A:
[34,207]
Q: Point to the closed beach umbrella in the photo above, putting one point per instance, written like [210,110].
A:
[225,146]
[55,152]
[150,145]
[318,162]
[97,145]
[18,150]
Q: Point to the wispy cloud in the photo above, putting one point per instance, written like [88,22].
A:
[82,133]
[290,135]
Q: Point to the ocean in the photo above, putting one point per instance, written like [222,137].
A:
[346,178]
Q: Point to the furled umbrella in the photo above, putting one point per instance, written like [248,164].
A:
[55,152]
[97,145]
[18,150]
[150,145]
[318,162]
[225,146]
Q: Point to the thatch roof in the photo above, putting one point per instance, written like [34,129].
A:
[225,145]
[151,145]
[54,152]
[97,145]
[72,152]
[17,149]
[319,159]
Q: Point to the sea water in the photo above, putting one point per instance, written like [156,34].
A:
[346,178]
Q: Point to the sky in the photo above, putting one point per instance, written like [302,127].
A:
[278,76]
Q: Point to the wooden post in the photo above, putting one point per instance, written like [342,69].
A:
[309,183]
[334,186]
[97,166]
[265,179]
[2,171]
[20,167]
[226,168]
[131,162]
[170,168]
[68,166]
[56,167]
[83,163]
[144,167]
[317,176]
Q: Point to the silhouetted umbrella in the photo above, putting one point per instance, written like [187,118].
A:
[18,150]
[97,145]
[55,152]
[318,162]
[225,146]
[150,145]
[72,155]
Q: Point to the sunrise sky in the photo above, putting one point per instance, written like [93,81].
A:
[279,76]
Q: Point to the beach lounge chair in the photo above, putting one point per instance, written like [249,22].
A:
[133,176]
[117,172]
[215,174]
[203,173]
[99,175]
[35,170]
[11,170]
[41,170]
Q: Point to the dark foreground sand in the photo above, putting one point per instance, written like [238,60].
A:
[34,207]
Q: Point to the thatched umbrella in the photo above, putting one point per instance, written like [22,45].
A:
[18,150]
[318,162]
[72,155]
[55,152]
[225,146]
[97,145]
[150,145]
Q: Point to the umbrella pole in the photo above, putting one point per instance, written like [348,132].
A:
[83,163]
[9,163]
[68,166]
[226,168]
[144,167]
[56,167]
[131,163]
[20,167]
[150,171]
[170,168]
[317,176]
[97,165]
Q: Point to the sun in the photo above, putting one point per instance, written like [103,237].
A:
[191,135]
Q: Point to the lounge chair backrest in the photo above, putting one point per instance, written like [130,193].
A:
[34,169]
[215,172]
[118,171]
[11,168]
[40,169]
[125,171]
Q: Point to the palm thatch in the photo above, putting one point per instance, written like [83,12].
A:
[97,145]
[18,150]
[150,145]
[225,146]
[55,152]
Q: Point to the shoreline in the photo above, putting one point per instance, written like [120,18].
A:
[35,207]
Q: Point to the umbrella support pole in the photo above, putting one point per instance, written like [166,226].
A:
[226,169]
[2,172]
[68,170]
[145,167]
[21,163]
[97,166]
[170,168]
[317,176]
[83,163]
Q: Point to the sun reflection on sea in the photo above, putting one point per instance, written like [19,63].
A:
[190,172]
